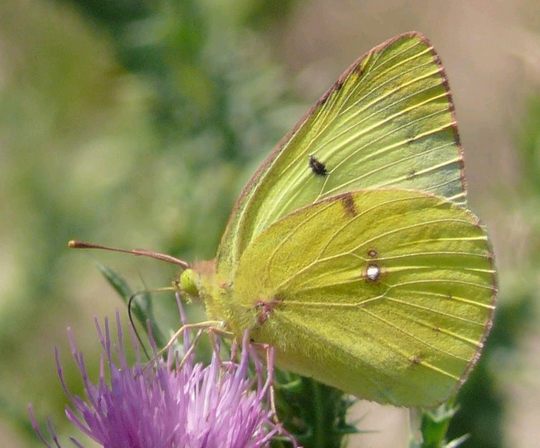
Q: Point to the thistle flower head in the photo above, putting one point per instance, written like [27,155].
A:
[170,404]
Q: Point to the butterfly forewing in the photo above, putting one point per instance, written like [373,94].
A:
[387,122]
[386,294]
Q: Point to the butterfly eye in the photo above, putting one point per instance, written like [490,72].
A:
[317,166]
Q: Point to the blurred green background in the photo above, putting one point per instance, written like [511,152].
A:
[136,123]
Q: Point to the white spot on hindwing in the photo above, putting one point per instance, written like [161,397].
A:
[373,272]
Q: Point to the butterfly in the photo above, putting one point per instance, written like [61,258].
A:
[351,250]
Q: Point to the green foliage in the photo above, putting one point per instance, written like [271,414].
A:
[140,304]
[530,150]
[135,130]
[314,413]
[434,426]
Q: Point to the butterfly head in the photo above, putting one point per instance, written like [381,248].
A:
[188,283]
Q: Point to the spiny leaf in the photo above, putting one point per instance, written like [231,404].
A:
[141,303]
[434,426]
[313,412]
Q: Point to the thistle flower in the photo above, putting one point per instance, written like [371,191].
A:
[171,404]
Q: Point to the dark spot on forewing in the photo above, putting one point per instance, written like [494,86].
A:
[317,166]
[349,206]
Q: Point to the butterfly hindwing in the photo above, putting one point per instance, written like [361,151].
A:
[385,294]
[387,122]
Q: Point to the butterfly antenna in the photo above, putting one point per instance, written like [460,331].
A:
[132,321]
[131,305]
[74,244]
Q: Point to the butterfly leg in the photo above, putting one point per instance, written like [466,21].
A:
[210,324]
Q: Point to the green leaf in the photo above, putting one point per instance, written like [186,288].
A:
[434,426]
[313,412]
[141,303]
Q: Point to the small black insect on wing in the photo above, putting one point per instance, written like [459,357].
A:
[317,167]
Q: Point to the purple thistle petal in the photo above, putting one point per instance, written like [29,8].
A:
[163,406]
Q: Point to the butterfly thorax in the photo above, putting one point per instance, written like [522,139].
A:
[202,283]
